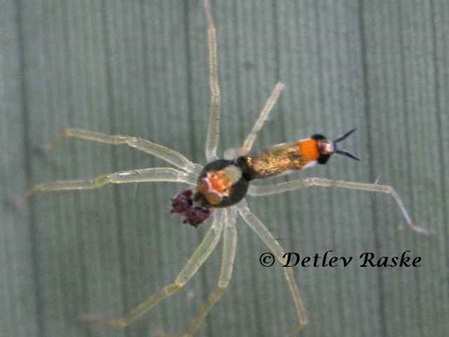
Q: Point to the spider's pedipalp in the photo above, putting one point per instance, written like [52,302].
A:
[170,156]
[264,234]
[194,214]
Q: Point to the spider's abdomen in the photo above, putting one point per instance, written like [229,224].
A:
[222,183]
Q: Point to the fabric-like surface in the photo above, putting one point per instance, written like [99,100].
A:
[140,68]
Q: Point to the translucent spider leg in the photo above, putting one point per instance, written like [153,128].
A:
[262,231]
[166,174]
[162,152]
[199,256]
[213,129]
[322,182]
[227,262]
[264,113]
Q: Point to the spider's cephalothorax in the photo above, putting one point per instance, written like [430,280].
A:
[223,183]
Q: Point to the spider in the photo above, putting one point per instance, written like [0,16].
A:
[218,189]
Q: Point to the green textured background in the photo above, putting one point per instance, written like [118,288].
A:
[140,68]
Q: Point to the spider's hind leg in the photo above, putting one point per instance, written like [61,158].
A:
[276,188]
[227,262]
[264,234]
[199,256]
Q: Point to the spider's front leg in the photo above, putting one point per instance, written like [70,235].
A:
[162,174]
[277,188]
[199,256]
[170,156]
[213,128]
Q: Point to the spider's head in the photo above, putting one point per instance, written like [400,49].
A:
[328,147]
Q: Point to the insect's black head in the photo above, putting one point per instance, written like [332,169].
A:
[328,147]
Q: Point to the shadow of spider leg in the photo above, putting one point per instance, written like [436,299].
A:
[171,156]
[282,187]
[264,234]
[162,174]
[199,256]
